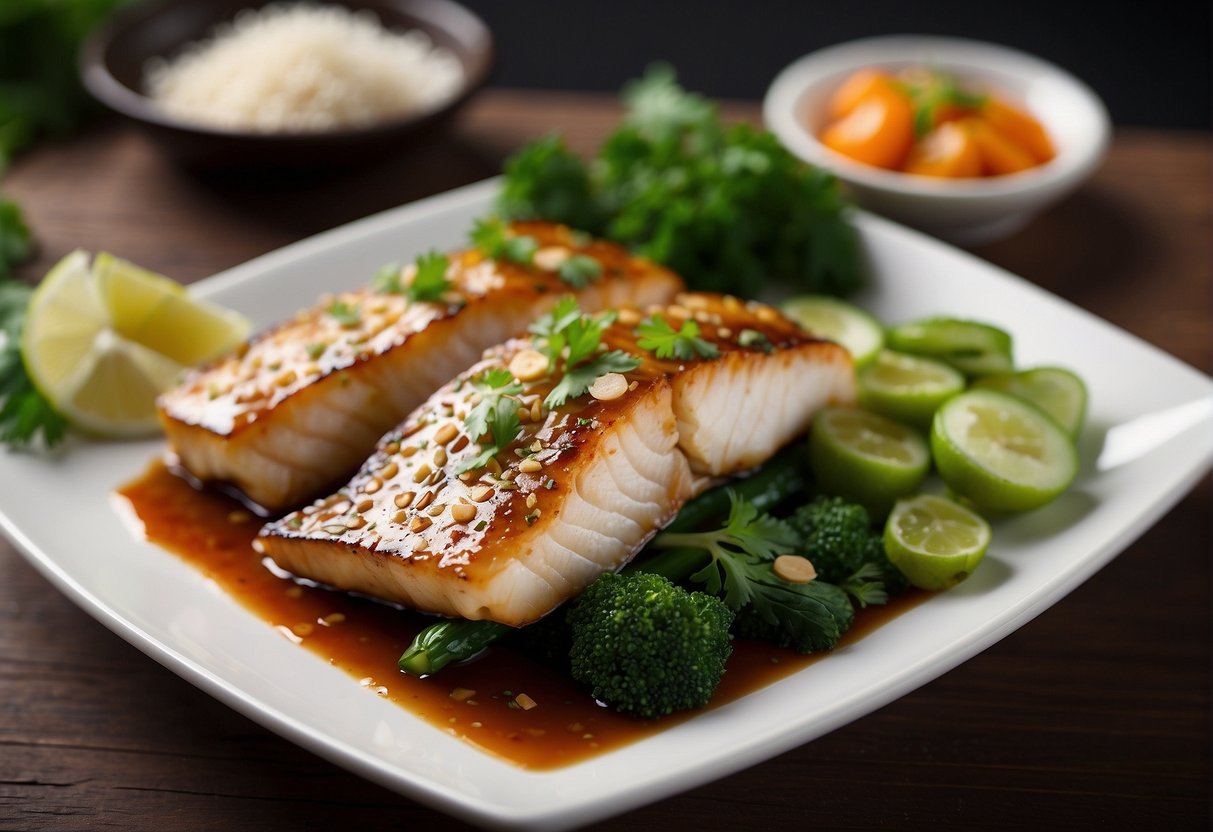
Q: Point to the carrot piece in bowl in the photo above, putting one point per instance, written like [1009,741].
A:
[1026,131]
[999,153]
[949,150]
[878,131]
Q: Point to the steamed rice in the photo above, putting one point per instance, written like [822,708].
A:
[302,69]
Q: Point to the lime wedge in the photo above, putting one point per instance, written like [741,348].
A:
[973,348]
[935,542]
[159,314]
[1000,452]
[908,388]
[102,341]
[840,322]
[1054,390]
[866,458]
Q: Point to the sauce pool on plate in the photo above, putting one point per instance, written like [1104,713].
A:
[504,702]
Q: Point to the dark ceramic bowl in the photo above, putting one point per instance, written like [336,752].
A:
[113,59]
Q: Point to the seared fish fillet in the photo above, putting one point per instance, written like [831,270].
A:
[581,487]
[298,408]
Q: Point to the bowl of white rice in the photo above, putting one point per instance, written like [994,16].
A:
[272,84]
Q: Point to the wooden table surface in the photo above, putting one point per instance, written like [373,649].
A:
[1094,715]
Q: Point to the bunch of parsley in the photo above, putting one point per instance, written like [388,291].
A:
[725,206]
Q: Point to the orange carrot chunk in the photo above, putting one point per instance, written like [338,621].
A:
[878,131]
[1000,155]
[1026,131]
[949,150]
[855,89]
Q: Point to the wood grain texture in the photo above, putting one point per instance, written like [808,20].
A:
[1094,715]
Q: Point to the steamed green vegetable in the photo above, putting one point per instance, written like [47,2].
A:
[648,647]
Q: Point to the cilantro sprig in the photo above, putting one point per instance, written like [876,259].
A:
[572,341]
[739,557]
[347,315]
[726,206]
[429,283]
[495,415]
[658,337]
[24,412]
[937,90]
[494,239]
[579,270]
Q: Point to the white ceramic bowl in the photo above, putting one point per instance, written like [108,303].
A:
[962,211]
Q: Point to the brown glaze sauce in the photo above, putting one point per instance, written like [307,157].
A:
[214,533]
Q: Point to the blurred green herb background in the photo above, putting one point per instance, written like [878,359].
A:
[40,91]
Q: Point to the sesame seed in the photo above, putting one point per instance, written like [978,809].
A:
[494,466]
[462,512]
[390,470]
[529,365]
[391,448]
[531,499]
[467,476]
[536,446]
[440,457]
[408,450]
[446,433]
[629,317]
[403,499]
[334,529]
[524,414]
[333,618]
[373,485]
[462,694]
[420,524]
[508,476]
[437,509]
[365,505]
[426,499]
[355,522]
[608,387]
[724,332]
[530,466]
[399,516]
[536,410]
[794,569]
[421,473]
[460,444]
[481,493]
[303,628]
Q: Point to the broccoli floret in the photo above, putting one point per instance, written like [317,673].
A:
[810,617]
[647,647]
[837,536]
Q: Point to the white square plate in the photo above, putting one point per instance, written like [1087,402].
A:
[1149,438]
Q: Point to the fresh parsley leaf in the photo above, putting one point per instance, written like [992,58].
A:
[727,207]
[15,241]
[658,337]
[495,415]
[493,238]
[807,617]
[577,380]
[568,338]
[754,338]
[430,283]
[24,412]
[580,270]
[348,316]
[520,250]
[866,586]
[387,280]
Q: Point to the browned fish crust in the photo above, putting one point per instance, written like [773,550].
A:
[581,488]
[295,410]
